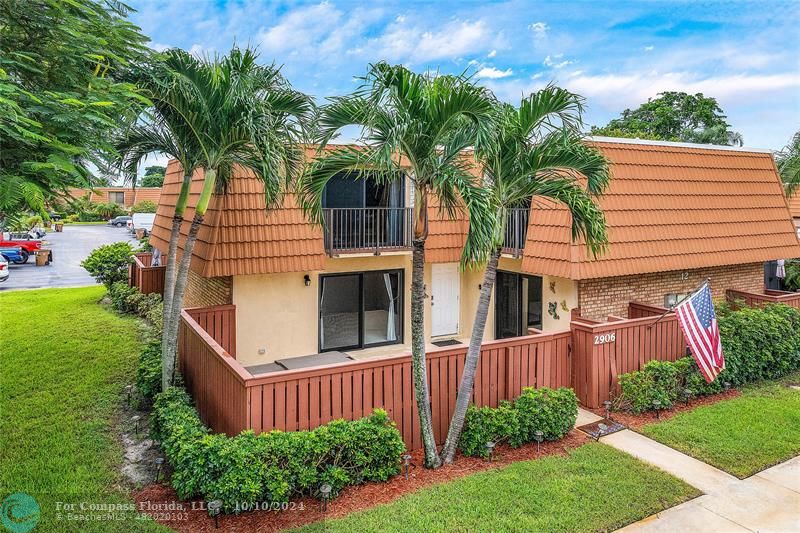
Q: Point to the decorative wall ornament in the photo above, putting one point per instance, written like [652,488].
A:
[553,287]
[552,310]
[564,305]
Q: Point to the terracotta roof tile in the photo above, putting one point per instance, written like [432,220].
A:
[794,204]
[671,207]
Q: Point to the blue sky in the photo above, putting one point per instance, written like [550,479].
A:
[615,54]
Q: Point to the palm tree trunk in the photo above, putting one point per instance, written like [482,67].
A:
[471,362]
[183,275]
[169,276]
[419,366]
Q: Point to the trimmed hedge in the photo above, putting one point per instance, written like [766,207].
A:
[553,412]
[148,372]
[250,470]
[758,343]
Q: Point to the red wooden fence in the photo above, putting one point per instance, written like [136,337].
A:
[230,399]
[750,299]
[145,277]
[603,351]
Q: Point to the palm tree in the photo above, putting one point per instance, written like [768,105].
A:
[166,128]
[429,121]
[244,115]
[788,161]
[536,151]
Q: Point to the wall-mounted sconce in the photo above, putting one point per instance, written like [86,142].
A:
[307,280]
[480,286]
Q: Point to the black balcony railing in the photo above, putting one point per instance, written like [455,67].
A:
[516,231]
[363,229]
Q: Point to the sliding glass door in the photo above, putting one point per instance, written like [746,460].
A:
[518,304]
[359,310]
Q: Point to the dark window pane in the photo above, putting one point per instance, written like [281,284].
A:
[340,312]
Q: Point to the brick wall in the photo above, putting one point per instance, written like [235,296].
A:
[205,292]
[599,298]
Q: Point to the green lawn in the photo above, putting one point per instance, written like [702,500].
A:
[742,436]
[64,360]
[595,488]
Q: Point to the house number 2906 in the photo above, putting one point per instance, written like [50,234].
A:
[603,339]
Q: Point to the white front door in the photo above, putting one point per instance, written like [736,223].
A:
[444,299]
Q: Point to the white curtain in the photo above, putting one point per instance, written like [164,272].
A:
[321,319]
[780,269]
[390,333]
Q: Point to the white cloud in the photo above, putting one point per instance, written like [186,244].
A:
[492,53]
[539,29]
[403,41]
[649,48]
[552,61]
[493,73]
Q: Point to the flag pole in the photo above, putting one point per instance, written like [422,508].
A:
[668,311]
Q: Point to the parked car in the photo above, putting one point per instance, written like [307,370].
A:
[14,255]
[3,269]
[142,221]
[118,222]
[27,245]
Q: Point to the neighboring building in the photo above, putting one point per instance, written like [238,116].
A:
[124,196]
[676,213]
[794,208]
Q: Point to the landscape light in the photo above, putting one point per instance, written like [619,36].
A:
[687,395]
[214,508]
[159,461]
[539,437]
[607,405]
[657,407]
[490,449]
[128,393]
[136,419]
[727,386]
[407,464]
[325,492]
[601,430]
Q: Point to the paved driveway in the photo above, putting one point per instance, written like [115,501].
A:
[70,247]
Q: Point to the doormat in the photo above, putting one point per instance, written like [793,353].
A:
[601,428]
[448,342]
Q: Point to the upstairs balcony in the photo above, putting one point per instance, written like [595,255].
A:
[516,231]
[363,214]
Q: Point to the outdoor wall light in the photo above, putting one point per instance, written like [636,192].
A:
[490,449]
[539,437]
[159,461]
[325,492]
[307,280]
[407,464]
[214,508]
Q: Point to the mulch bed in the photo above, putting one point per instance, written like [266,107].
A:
[633,421]
[352,499]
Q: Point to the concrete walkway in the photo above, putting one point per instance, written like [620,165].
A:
[767,501]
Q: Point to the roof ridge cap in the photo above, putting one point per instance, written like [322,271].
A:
[649,142]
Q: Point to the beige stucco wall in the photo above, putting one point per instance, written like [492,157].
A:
[278,314]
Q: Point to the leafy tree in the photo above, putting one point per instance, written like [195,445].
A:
[61,63]
[430,121]
[788,161]
[153,176]
[213,115]
[535,150]
[674,116]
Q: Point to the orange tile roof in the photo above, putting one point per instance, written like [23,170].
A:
[147,193]
[794,204]
[239,236]
[671,207]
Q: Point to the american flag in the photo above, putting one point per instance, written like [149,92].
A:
[699,324]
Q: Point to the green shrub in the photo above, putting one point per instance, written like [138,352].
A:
[148,372]
[145,206]
[89,216]
[484,424]
[757,344]
[72,218]
[119,292]
[553,412]
[271,467]
[760,343]
[156,319]
[792,280]
[109,263]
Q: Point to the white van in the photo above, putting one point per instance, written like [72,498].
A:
[143,221]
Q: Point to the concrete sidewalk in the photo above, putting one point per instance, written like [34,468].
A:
[767,501]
